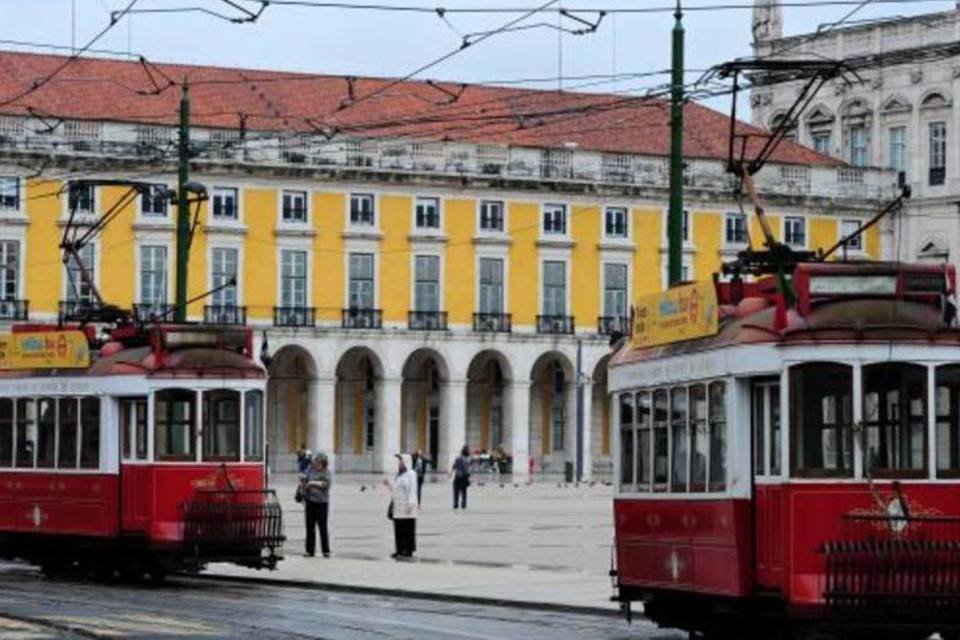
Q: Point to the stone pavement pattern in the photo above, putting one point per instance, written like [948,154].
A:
[536,543]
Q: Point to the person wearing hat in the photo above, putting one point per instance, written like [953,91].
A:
[403,507]
[316,503]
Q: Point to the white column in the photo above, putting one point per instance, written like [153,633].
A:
[453,422]
[323,395]
[389,415]
[520,428]
[588,429]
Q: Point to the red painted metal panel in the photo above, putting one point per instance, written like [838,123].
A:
[771,533]
[59,503]
[689,545]
[136,491]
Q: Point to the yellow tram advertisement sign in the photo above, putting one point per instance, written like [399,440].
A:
[44,350]
[680,313]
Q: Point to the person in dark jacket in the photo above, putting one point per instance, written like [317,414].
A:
[461,478]
[420,462]
[316,502]
[304,458]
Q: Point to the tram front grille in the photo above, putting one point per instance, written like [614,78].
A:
[234,525]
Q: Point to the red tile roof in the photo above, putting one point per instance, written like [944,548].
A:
[128,91]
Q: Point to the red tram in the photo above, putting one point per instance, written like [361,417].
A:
[142,456]
[797,471]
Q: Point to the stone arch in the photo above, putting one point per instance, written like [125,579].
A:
[424,405]
[935,99]
[601,434]
[552,412]
[488,416]
[358,433]
[291,410]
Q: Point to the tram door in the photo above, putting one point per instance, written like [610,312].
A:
[768,472]
[135,486]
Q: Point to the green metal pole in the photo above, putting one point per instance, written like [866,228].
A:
[675,217]
[183,209]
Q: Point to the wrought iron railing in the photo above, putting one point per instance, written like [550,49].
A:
[224,314]
[492,322]
[241,526]
[556,325]
[362,318]
[294,317]
[14,309]
[78,310]
[607,325]
[153,311]
[427,320]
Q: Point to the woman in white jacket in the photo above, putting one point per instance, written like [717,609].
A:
[404,507]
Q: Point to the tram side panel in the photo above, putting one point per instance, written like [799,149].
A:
[699,546]
[58,503]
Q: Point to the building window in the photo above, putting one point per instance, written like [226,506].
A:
[735,228]
[361,210]
[295,207]
[859,149]
[821,142]
[78,289]
[153,274]
[615,222]
[615,291]
[491,285]
[491,216]
[938,153]
[9,193]
[795,232]
[428,213]
[225,203]
[685,227]
[554,288]
[555,219]
[558,412]
[81,198]
[361,281]
[848,227]
[9,269]
[223,276]
[897,152]
[153,201]
[293,279]
[427,283]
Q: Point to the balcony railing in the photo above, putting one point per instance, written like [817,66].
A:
[556,325]
[606,325]
[492,322]
[224,314]
[79,310]
[362,318]
[428,320]
[14,309]
[294,317]
[150,311]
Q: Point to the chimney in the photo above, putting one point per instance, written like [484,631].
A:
[768,20]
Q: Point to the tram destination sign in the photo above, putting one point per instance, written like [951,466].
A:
[681,313]
[44,350]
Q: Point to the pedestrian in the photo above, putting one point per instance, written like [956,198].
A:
[420,468]
[316,494]
[403,507]
[461,478]
[304,458]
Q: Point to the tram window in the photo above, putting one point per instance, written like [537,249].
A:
[948,421]
[718,436]
[678,442]
[253,426]
[89,433]
[175,424]
[67,436]
[894,419]
[773,411]
[6,432]
[820,420]
[626,441]
[644,433]
[26,432]
[46,433]
[133,428]
[758,402]
[661,440]
[698,438]
[221,425]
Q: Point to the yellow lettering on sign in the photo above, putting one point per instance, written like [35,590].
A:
[44,350]
[681,313]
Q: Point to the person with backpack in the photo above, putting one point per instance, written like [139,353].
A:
[461,478]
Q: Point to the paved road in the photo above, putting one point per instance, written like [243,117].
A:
[32,608]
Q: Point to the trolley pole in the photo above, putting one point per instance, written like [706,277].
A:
[675,217]
[183,207]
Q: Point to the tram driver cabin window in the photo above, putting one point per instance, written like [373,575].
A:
[176,429]
[221,426]
[821,420]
